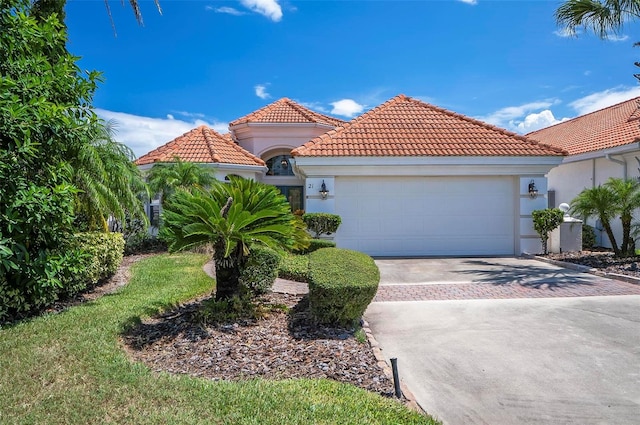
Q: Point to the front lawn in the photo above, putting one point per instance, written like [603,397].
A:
[69,368]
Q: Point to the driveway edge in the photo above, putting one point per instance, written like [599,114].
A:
[409,399]
[584,269]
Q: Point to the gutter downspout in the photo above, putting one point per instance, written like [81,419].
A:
[617,161]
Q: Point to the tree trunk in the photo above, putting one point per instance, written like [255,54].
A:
[626,233]
[227,275]
[612,239]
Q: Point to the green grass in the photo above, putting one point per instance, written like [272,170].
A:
[69,368]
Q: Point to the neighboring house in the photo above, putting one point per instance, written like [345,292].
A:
[600,145]
[407,178]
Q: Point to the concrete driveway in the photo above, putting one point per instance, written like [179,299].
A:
[500,359]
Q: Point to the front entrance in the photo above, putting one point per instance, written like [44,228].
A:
[294,195]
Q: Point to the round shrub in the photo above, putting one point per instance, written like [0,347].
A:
[342,283]
[260,270]
[322,223]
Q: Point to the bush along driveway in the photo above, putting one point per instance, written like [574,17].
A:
[70,368]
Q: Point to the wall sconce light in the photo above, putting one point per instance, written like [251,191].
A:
[533,190]
[284,163]
[323,190]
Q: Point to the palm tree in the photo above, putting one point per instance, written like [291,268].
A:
[232,217]
[109,183]
[601,16]
[598,202]
[44,8]
[617,197]
[627,194]
[165,178]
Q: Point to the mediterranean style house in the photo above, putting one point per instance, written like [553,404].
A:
[599,145]
[407,178]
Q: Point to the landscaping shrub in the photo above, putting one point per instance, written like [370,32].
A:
[588,237]
[101,254]
[260,270]
[322,223]
[342,283]
[316,244]
[81,262]
[294,267]
[544,222]
[142,243]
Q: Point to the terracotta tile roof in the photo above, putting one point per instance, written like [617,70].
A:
[404,126]
[202,145]
[286,111]
[610,127]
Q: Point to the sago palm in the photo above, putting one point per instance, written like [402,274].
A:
[232,217]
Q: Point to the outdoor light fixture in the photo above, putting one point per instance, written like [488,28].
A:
[284,163]
[323,190]
[533,190]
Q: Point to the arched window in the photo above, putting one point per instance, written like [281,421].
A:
[280,166]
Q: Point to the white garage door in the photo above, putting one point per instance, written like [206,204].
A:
[423,216]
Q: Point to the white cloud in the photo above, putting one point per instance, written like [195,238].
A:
[599,100]
[171,117]
[269,8]
[471,2]
[316,106]
[565,32]
[261,91]
[143,134]
[613,37]
[504,116]
[347,107]
[524,118]
[226,9]
[536,121]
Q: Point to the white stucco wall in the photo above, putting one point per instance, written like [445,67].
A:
[576,174]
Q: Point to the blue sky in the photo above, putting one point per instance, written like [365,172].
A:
[210,62]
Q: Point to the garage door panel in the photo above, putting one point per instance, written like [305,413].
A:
[413,216]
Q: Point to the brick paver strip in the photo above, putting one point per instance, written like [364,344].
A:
[475,291]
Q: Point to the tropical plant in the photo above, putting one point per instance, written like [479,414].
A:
[322,223]
[602,17]
[45,118]
[232,218]
[628,200]
[109,183]
[544,222]
[165,178]
[617,197]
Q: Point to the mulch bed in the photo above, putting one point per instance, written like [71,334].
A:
[283,345]
[601,260]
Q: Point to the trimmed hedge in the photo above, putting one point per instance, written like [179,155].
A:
[102,255]
[260,270]
[322,223]
[316,244]
[294,267]
[85,260]
[342,283]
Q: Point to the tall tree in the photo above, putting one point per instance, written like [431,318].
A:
[165,178]
[108,181]
[232,217]
[45,117]
[616,198]
[603,17]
